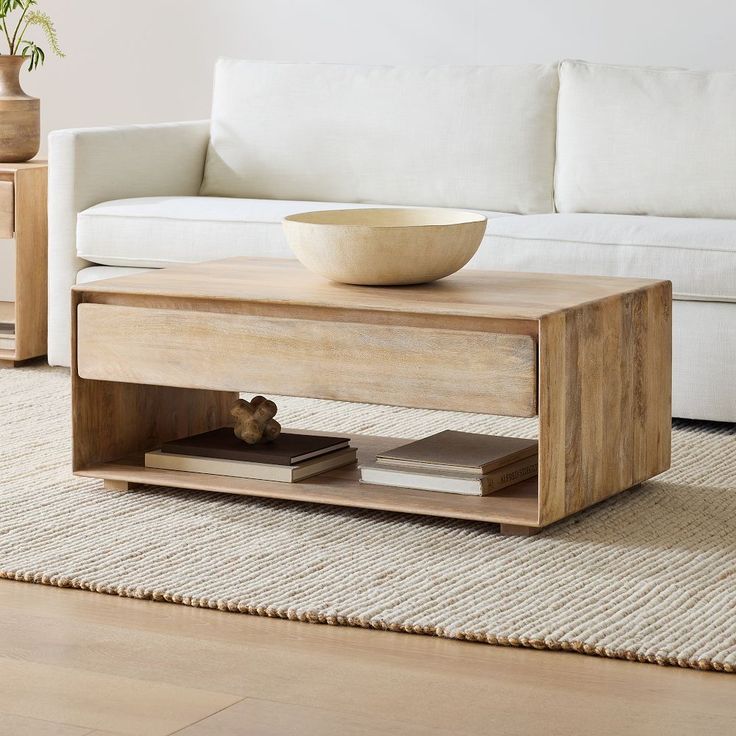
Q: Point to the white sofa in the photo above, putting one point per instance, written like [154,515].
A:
[582,168]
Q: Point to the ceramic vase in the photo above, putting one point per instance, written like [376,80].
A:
[20,114]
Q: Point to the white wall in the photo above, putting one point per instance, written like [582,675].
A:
[151,60]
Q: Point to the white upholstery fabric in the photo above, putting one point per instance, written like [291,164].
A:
[98,164]
[646,141]
[704,361]
[156,231]
[100,273]
[697,255]
[478,137]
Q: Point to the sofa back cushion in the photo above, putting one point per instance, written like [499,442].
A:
[476,137]
[646,141]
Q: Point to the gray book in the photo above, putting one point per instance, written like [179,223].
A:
[464,452]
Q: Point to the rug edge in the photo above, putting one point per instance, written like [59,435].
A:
[703,665]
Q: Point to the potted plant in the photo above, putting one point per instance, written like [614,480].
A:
[20,114]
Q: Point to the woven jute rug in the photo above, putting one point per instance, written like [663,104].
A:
[648,576]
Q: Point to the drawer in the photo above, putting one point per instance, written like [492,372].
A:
[399,365]
[7,209]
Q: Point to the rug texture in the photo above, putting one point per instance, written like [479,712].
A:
[648,576]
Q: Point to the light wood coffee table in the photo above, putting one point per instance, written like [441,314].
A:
[162,355]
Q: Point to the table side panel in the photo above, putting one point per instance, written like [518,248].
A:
[604,398]
[111,420]
[31,261]
[7,208]
[412,366]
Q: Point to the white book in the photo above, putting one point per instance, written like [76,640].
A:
[479,485]
[256,471]
[7,343]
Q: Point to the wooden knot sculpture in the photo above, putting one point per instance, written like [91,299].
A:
[254,420]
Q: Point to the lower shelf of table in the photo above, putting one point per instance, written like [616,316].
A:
[7,312]
[517,504]
[7,318]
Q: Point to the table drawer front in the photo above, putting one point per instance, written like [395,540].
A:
[387,364]
[7,209]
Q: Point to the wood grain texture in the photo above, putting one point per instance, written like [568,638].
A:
[14,725]
[301,678]
[111,420]
[404,366]
[116,485]
[164,352]
[7,313]
[96,700]
[604,398]
[31,263]
[7,209]
[256,716]
[516,504]
[517,530]
[36,163]
[469,293]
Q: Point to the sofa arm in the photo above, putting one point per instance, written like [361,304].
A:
[93,165]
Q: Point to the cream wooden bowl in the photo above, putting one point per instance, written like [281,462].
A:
[385,246]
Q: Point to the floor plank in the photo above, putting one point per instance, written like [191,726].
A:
[13,725]
[89,699]
[331,677]
[252,716]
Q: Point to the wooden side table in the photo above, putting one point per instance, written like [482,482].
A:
[23,215]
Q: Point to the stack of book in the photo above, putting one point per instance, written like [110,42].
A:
[289,458]
[455,462]
[7,336]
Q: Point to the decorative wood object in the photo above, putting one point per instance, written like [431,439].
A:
[23,215]
[20,114]
[254,420]
[599,347]
[385,246]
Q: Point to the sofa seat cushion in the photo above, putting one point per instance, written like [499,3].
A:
[697,255]
[157,231]
[100,273]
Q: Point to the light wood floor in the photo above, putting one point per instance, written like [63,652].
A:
[75,663]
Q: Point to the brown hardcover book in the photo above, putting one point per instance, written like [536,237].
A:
[452,451]
[256,471]
[288,448]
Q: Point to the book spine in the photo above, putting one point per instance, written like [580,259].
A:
[215,466]
[509,475]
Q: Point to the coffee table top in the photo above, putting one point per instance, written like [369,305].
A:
[469,293]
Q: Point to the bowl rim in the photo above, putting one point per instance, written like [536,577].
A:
[472,217]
